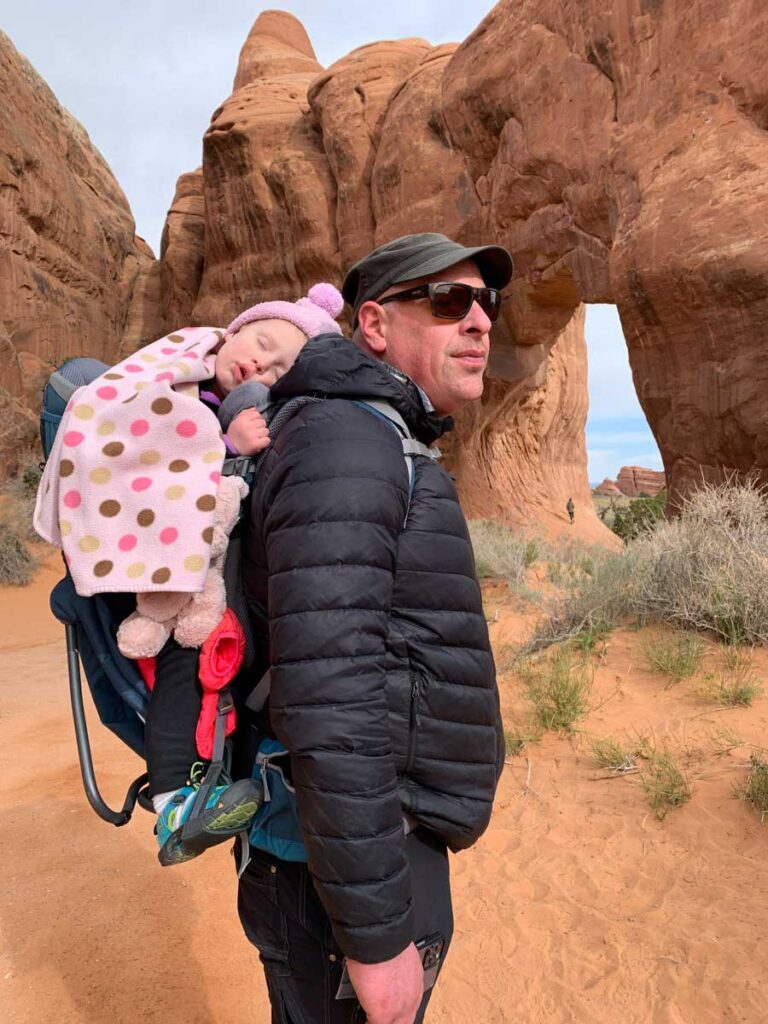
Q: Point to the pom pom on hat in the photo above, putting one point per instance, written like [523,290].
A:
[314,314]
[326,297]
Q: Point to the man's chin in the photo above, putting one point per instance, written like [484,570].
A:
[464,395]
[472,388]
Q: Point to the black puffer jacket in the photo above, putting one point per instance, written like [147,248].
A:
[383,682]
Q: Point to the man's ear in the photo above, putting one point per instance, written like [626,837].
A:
[372,324]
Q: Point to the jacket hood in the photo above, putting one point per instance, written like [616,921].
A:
[332,367]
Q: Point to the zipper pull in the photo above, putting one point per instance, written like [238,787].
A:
[262,760]
[415,693]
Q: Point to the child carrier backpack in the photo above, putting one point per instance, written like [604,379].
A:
[119,692]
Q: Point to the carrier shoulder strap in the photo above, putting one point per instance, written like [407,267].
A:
[411,447]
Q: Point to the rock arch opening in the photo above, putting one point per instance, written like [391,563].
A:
[621,448]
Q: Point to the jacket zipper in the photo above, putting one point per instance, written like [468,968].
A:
[415,720]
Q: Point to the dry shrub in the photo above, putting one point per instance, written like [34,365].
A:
[595,596]
[708,569]
[19,493]
[500,552]
[17,564]
[755,789]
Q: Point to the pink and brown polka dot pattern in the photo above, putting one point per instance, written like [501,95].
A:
[131,482]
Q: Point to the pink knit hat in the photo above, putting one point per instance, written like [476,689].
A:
[313,315]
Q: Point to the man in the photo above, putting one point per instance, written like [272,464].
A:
[570,508]
[382,679]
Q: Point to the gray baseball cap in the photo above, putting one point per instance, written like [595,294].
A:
[413,256]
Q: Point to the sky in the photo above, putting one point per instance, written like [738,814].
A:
[617,431]
[144,78]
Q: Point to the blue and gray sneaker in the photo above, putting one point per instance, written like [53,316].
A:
[228,810]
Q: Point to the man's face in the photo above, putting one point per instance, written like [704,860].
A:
[447,358]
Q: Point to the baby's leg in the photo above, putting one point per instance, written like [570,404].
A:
[174,709]
[171,751]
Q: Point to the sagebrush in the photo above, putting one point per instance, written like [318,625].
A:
[500,552]
[706,570]
[17,564]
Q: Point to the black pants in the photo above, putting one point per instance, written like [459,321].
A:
[174,708]
[283,917]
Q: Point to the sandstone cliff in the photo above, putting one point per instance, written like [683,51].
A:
[617,150]
[634,481]
[68,256]
[304,170]
[608,488]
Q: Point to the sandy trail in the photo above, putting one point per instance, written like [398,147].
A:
[577,906]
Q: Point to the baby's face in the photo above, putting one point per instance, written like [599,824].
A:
[262,351]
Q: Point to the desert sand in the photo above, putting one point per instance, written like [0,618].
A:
[576,907]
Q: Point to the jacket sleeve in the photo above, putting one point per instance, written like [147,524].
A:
[335,502]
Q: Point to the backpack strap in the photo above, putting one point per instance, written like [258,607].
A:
[411,447]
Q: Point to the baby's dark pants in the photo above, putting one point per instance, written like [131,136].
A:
[174,708]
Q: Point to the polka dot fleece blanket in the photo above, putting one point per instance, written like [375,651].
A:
[129,489]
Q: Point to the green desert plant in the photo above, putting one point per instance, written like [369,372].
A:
[735,656]
[30,477]
[610,754]
[17,564]
[733,689]
[518,737]
[665,784]
[723,740]
[675,654]
[735,694]
[755,788]
[558,688]
[592,636]
[639,517]
[736,684]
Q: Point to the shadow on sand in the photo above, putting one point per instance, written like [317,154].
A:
[86,913]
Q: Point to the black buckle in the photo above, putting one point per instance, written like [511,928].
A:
[238,465]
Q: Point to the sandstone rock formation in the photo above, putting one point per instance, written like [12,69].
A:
[182,252]
[68,256]
[618,150]
[270,201]
[303,171]
[608,488]
[349,102]
[634,481]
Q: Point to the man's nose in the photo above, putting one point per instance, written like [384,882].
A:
[477,320]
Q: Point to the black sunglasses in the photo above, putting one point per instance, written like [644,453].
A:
[451,300]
